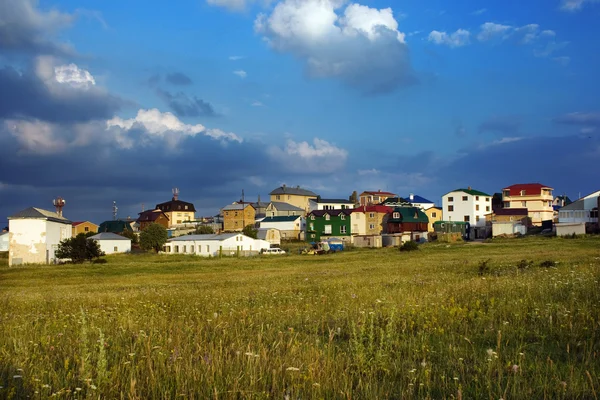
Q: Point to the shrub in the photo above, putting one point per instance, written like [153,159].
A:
[79,249]
[409,246]
[484,268]
[547,264]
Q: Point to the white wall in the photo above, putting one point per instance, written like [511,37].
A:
[358,223]
[4,242]
[206,248]
[34,241]
[468,207]
[297,225]
[563,229]
[108,246]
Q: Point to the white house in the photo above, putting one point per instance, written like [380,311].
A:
[584,210]
[467,205]
[111,243]
[34,235]
[3,241]
[290,227]
[329,204]
[227,244]
[271,235]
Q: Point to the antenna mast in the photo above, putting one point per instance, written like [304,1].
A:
[59,203]
[114,210]
[175,193]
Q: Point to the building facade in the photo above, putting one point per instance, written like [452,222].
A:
[434,214]
[227,244]
[296,196]
[326,224]
[535,197]
[370,220]
[147,218]
[418,201]
[179,212]
[282,209]
[111,243]
[290,227]
[84,227]
[370,198]
[408,220]
[330,204]
[237,216]
[467,205]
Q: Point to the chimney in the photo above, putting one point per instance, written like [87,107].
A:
[411,196]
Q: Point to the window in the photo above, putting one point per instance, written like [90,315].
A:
[477,198]
[433,215]
[207,249]
[184,248]
[487,199]
[450,199]
[312,235]
[186,207]
[327,229]
[191,249]
[507,204]
[450,208]
[476,207]
[396,215]
[343,229]
[342,217]
[116,248]
[477,218]
[86,229]
[522,193]
[487,208]
[312,227]
[549,204]
[371,215]
[467,218]
[176,249]
[372,226]
[523,204]
[506,193]
[465,198]
[278,197]
[312,217]
[289,197]
[327,217]
[235,214]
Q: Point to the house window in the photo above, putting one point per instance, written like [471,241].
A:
[207,249]
[186,207]
[312,217]
[506,193]
[191,249]
[184,248]
[523,204]
[312,235]
[450,208]
[396,215]
[289,197]
[487,199]
[549,204]
[522,193]
[278,197]
[433,215]
[507,204]
[327,229]
[477,207]
[487,208]
[327,217]
[342,217]
[312,227]
[450,199]
[116,248]
[176,249]
[371,215]
[372,226]
[467,218]
[477,198]
[235,214]
[477,218]
[343,229]
[465,198]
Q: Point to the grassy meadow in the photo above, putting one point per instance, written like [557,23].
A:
[511,319]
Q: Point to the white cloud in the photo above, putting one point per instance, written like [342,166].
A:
[528,33]
[574,5]
[360,45]
[257,104]
[320,156]
[241,73]
[372,171]
[491,30]
[479,12]
[72,75]
[36,136]
[456,39]
[236,58]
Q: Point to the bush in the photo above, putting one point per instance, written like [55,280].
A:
[548,264]
[79,249]
[409,246]
[250,231]
[203,230]
[484,268]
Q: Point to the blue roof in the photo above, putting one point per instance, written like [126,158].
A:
[418,199]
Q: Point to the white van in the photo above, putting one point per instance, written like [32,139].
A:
[274,250]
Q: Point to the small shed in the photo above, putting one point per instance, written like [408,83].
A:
[271,235]
[111,243]
[567,228]
[3,241]
[508,228]
[370,241]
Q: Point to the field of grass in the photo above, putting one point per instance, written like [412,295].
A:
[511,319]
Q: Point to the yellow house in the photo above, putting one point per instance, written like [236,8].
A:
[295,196]
[237,216]
[434,214]
[84,227]
[535,197]
[370,198]
[178,212]
[370,220]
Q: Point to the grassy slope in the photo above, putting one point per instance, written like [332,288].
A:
[362,324]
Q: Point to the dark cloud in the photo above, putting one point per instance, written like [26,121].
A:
[24,28]
[186,106]
[501,125]
[591,119]
[178,78]
[23,94]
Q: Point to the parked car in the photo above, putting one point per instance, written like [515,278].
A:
[274,250]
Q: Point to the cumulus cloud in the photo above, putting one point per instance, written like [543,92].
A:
[178,78]
[456,39]
[186,106]
[320,156]
[491,30]
[574,5]
[359,45]
[241,73]
[73,75]
[24,28]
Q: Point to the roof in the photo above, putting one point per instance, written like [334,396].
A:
[286,218]
[222,236]
[83,222]
[376,208]
[565,198]
[367,192]
[263,233]
[409,214]
[529,188]
[395,201]
[176,205]
[150,215]
[115,226]
[576,205]
[418,199]
[38,213]
[297,191]
[333,201]
[109,236]
[470,191]
[511,211]
[281,206]
[259,204]
[334,213]
[236,207]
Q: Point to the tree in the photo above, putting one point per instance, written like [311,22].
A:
[153,237]
[250,231]
[204,230]
[354,197]
[130,235]
[79,249]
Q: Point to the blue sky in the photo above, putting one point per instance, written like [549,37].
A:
[121,101]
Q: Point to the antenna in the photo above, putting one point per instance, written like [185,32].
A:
[115,209]
[175,193]
[143,207]
[59,203]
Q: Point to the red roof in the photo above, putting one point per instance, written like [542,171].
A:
[77,223]
[376,208]
[531,189]
[379,192]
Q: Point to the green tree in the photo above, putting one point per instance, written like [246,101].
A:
[250,231]
[204,230]
[153,237]
[130,235]
[79,249]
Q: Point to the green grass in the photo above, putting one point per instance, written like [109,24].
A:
[512,319]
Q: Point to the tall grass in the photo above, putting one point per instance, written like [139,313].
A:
[363,324]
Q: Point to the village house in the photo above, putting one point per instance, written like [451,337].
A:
[434,214]
[370,198]
[34,236]
[149,217]
[327,224]
[84,227]
[271,235]
[293,195]
[535,197]
[409,222]
[226,244]
[468,205]
[111,243]
[520,215]
[179,212]
[370,220]
[330,204]
[290,227]
[117,226]
[237,216]
[283,209]
[579,217]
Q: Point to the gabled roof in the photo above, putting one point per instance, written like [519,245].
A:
[236,207]
[176,205]
[151,215]
[418,199]
[38,213]
[333,201]
[296,191]
[471,192]
[333,213]
[531,189]
[381,209]
[409,214]
[109,236]
[115,226]
[368,192]
[576,205]
[282,206]
[286,218]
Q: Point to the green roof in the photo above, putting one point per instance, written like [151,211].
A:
[471,192]
[410,214]
[115,227]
